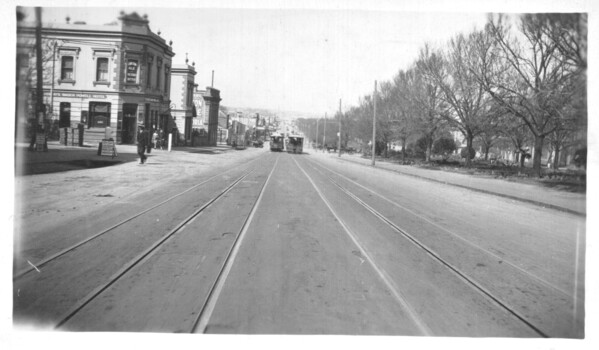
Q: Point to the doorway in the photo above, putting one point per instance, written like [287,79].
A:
[64,120]
[129,123]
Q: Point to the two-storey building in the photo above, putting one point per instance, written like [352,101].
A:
[114,76]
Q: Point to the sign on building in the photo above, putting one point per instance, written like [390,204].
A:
[132,71]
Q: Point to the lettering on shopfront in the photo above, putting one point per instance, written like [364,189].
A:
[78,95]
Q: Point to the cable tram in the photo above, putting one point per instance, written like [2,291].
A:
[237,133]
[277,142]
[295,144]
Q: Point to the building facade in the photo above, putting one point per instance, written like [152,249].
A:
[114,76]
[211,109]
[182,105]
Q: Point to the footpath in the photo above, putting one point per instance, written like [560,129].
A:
[60,158]
[537,194]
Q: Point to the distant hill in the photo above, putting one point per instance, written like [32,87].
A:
[283,115]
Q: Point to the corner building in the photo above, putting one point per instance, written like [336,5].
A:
[114,76]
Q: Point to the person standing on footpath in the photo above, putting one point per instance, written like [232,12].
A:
[142,143]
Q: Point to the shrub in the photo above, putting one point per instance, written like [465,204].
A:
[464,153]
[444,147]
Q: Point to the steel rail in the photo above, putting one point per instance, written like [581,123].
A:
[401,299]
[438,258]
[507,262]
[207,307]
[142,256]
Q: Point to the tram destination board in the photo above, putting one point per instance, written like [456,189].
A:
[108,148]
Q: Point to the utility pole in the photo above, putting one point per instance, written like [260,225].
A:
[339,133]
[40,114]
[52,86]
[324,135]
[317,132]
[374,123]
[212,83]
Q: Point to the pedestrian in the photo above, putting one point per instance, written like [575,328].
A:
[160,138]
[155,139]
[142,143]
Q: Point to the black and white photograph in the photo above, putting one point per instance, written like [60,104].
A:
[302,174]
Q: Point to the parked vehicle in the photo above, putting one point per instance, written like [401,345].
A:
[258,143]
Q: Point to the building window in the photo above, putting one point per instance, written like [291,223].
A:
[166,79]
[149,73]
[132,70]
[22,66]
[66,68]
[189,95]
[102,70]
[158,72]
[99,114]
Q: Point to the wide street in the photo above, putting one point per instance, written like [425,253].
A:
[260,242]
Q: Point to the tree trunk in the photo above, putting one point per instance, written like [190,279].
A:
[403,151]
[538,153]
[556,157]
[429,148]
[469,138]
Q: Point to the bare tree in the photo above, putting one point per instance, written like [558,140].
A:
[528,76]
[403,110]
[385,128]
[428,96]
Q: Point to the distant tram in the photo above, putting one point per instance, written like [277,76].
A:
[277,142]
[295,144]
[237,135]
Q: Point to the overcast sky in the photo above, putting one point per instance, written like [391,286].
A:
[283,57]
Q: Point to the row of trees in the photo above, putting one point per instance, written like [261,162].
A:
[521,80]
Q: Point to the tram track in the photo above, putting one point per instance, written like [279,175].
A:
[475,285]
[40,263]
[453,234]
[143,256]
[383,275]
[204,309]
[45,296]
[201,322]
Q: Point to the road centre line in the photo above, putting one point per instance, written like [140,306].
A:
[422,327]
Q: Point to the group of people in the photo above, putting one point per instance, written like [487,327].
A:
[147,142]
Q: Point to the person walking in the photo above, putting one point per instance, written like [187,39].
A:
[142,143]
[155,139]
